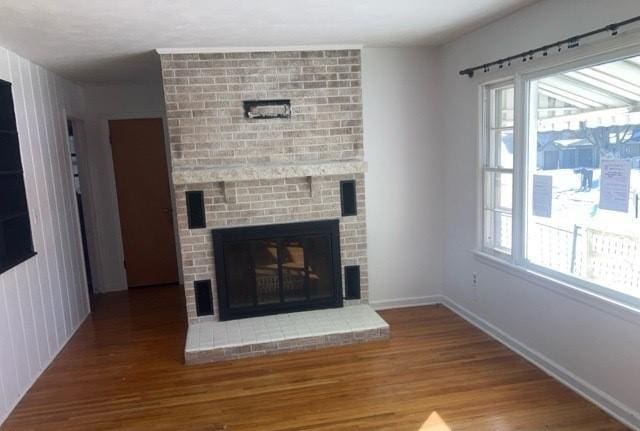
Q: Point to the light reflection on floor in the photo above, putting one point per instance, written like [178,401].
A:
[434,423]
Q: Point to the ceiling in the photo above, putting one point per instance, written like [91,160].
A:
[106,41]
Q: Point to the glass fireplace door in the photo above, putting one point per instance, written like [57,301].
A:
[265,271]
[272,269]
[294,271]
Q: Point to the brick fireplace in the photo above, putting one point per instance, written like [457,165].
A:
[256,171]
[269,141]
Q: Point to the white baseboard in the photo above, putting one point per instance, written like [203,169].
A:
[406,302]
[110,288]
[615,408]
[37,376]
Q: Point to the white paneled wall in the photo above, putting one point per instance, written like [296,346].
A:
[42,300]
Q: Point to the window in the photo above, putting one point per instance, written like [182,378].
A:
[16,244]
[498,167]
[580,122]
[576,182]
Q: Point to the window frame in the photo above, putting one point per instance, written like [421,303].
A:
[516,262]
[486,131]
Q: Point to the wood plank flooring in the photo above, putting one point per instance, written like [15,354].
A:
[123,370]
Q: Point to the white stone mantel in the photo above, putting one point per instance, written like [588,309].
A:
[209,174]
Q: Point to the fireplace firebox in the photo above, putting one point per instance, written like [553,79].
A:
[278,268]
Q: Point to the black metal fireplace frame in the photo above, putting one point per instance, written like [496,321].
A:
[329,228]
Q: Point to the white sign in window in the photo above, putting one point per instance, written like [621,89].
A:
[542,195]
[615,184]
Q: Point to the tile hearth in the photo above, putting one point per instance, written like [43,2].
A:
[257,336]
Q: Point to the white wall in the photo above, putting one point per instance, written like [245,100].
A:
[402,143]
[42,300]
[103,103]
[601,351]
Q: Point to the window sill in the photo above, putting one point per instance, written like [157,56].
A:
[571,291]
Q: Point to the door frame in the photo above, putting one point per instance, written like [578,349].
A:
[80,143]
[103,133]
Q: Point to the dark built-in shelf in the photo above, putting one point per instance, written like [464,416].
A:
[8,264]
[12,215]
[10,172]
[16,242]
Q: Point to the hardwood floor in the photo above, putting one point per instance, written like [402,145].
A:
[123,370]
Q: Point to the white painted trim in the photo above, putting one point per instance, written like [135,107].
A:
[112,287]
[568,290]
[583,295]
[612,406]
[79,139]
[222,49]
[35,378]
[482,150]
[406,302]
[85,169]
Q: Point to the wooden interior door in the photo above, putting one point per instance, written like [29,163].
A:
[144,201]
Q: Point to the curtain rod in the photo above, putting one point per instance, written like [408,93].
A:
[571,42]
